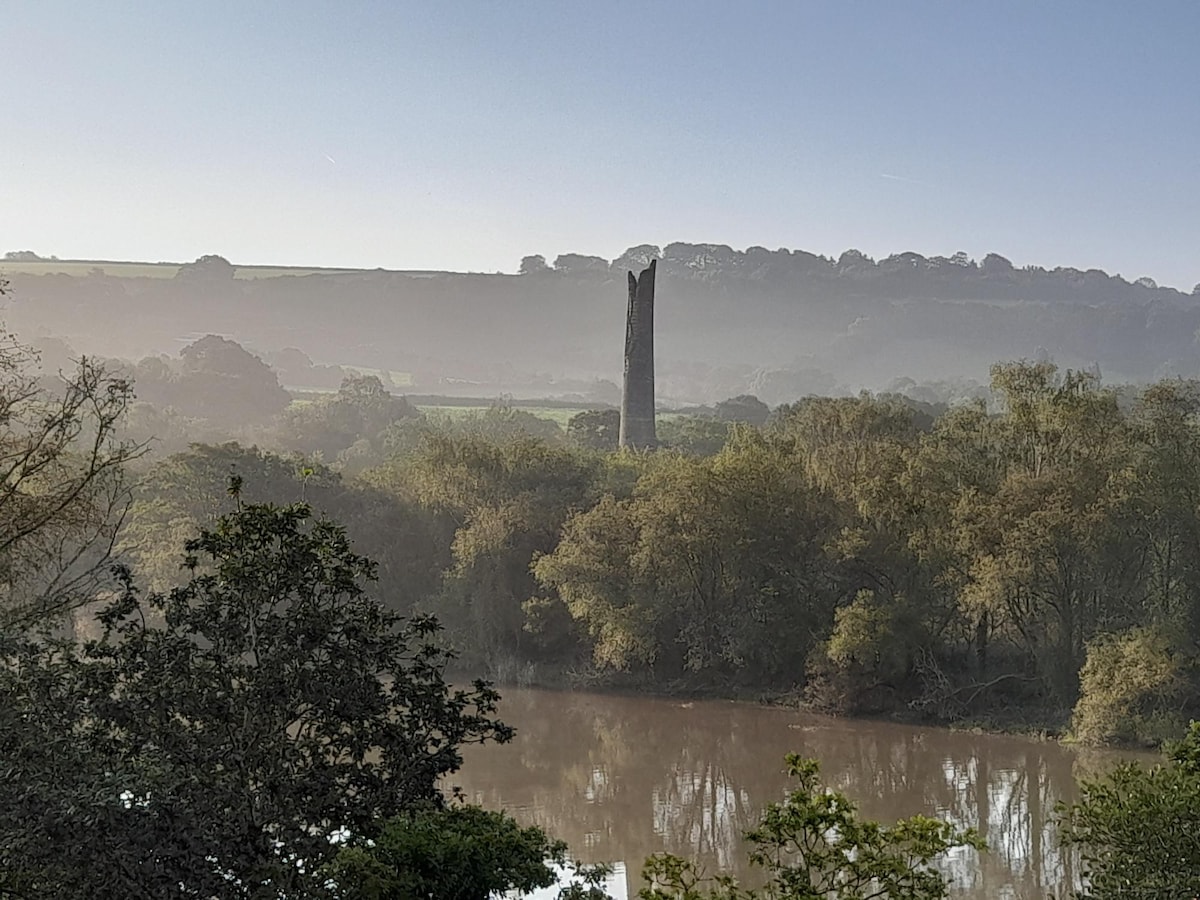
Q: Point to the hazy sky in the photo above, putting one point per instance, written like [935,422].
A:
[464,135]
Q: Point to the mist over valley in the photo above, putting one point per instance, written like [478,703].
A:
[779,325]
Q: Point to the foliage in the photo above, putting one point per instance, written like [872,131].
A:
[361,410]
[216,738]
[532,265]
[883,554]
[814,846]
[215,380]
[1131,688]
[871,649]
[508,502]
[62,471]
[1138,829]
[455,853]
[209,267]
[186,491]
[743,408]
[694,435]
[595,429]
[688,572]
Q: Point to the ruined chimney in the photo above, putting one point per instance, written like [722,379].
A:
[637,396]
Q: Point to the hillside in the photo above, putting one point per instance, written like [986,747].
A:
[775,323]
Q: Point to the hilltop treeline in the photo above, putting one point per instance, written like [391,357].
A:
[876,558]
[775,323]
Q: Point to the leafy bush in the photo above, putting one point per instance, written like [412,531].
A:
[460,853]
[1131,688]
[1138,829]
[869,651]
[814,846]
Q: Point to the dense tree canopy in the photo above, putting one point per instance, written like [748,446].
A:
[1029,555]
[217,739]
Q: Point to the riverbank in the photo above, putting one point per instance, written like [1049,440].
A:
[1050,724]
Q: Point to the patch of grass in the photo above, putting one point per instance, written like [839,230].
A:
[80,268]
[560,416]
[251,272]
[118,269]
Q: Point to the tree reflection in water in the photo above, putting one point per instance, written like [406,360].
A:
[619,778]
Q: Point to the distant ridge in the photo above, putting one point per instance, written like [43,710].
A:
[773,323]
[720,259]
[118,268]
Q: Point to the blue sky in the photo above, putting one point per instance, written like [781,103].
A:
[465,135]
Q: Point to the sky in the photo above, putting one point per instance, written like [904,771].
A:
[465,135]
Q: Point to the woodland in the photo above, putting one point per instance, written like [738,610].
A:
[779,324]
[1026,559]
[245,634]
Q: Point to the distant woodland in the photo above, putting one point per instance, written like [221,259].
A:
[1020,546]
[779,324]
[1023,555]
[1035,564]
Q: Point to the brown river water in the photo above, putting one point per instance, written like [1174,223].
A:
[620,777]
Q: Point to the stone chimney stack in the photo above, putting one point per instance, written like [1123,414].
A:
[637,396]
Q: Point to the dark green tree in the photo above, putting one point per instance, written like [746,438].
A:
[457,853]
[218,739]
[1138,829]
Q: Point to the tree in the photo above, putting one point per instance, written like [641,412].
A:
[636,258]
[533,265]
[361,410]
[186,491]
[854,262]
[694,435]
[1132,686]
[62,484]
[686,575]
[996,265]
[743,408]
[814,846]
[508,502]
[579,264]
[1050,541]
[218,738]
[459,853]
[1138,829]
[223,382]
[209,267]
[595,429]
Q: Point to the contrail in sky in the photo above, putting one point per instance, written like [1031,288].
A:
[902,178]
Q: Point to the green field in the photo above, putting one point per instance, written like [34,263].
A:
[84,267]
[558,415]
[81,267]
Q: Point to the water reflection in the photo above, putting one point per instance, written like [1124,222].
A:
[620,778]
